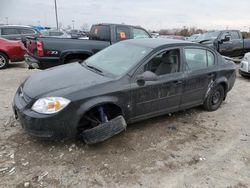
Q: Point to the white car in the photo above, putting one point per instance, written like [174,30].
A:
[245,65]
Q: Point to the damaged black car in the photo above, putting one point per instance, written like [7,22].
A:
[127,82]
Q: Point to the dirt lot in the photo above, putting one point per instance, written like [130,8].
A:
[193,148]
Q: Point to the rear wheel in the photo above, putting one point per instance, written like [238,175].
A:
[214,98]
[4,61]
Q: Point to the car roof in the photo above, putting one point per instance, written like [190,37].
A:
[18,26]
[136,26]
[158,42]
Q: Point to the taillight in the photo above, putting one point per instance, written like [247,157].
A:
[39,46]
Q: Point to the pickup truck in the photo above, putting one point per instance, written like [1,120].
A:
[227,42]
[43,52]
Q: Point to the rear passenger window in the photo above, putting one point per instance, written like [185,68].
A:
[100,32]
[122,33]
[26,31]
[9,31]
[199,59]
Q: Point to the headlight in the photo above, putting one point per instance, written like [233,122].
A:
[50,105]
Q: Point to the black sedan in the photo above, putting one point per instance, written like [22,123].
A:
[130,81]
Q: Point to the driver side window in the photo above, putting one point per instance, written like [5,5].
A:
[166,62]
[224,35]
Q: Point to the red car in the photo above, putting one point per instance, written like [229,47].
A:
[10,51]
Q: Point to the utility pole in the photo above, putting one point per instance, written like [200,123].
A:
[56,15]
[73,21]
[7,20]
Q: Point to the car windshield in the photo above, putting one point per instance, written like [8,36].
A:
[209,35]
[118,58]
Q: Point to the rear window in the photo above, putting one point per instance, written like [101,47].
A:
[26,31]
[100,32]
[9,31]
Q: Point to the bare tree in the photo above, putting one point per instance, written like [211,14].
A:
[85,27]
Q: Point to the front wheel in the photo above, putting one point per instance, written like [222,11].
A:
[4,61]
[214,98]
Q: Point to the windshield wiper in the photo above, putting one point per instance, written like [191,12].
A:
[94,68]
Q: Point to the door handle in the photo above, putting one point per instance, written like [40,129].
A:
[211,75]
[178,82]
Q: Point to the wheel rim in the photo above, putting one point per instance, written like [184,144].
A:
[216,97]
[2,61]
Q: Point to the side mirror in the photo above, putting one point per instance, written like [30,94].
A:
[146,76]
[226,39]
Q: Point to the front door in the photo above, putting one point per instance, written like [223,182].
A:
[164,94]
[233,47]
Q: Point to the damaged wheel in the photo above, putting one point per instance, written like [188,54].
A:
[215,98]
[101,123]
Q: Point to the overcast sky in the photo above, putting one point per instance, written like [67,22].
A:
[151,14]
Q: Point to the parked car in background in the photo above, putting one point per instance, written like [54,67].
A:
[43,53]
[245,65]
[17,32]
[172,37]
[127,82]
[193,38]
[76,34]
[10,51]
[227,42]
[54,33]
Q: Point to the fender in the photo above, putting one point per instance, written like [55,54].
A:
[222,80]
[86,106]
[65,53]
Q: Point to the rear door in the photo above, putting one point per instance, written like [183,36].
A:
[201,70]
[161,96]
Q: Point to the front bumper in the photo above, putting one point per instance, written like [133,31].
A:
[55,126]
[243,73]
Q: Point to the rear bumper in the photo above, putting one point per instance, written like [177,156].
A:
[41,63]
[32,62]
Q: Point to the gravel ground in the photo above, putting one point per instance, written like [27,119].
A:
[192,148]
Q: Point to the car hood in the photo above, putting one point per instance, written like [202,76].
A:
[62,80]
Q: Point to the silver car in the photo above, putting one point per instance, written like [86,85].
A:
[54,33]
[245,65]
